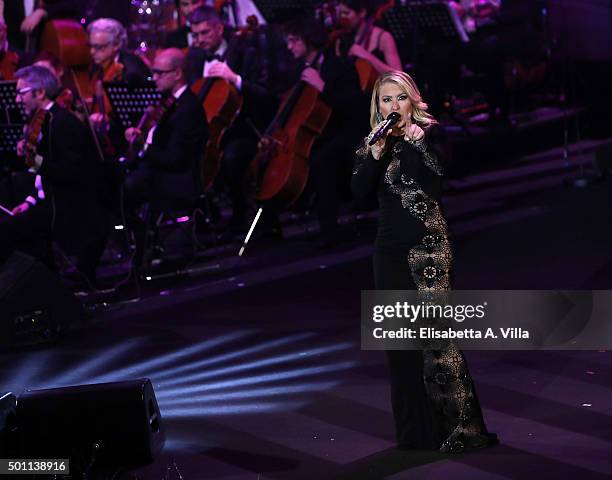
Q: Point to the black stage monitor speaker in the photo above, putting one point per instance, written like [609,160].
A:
[8,425]
[120,422]
[34,305]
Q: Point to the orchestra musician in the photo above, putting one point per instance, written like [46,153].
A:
[370,42]
[336,78]
[65,97]
[504,31]
[56,151]
[240,64]
[111,62]
[166,175]
[182,37]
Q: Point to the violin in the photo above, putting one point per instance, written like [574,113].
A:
[149,120]
[32,135]
[111,74]
[65,99]
[83,112]
[101,103]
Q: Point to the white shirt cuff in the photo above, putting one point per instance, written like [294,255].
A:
[238,82]
[150,136]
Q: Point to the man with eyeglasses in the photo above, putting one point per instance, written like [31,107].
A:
[62,203]
[112,63]
[167,173]
[242,65]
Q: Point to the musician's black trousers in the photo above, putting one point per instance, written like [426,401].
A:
[162,191]
[330,166]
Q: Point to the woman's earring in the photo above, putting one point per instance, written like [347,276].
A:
[379,117]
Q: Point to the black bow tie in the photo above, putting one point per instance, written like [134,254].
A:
[210,58]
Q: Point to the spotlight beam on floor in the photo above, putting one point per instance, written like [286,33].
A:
[231,409]
[30,368]
[247,394]
[144,367]
[173,372]
[84,370]
[190,379]
[253,380]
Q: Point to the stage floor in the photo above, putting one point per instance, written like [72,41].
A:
[259,374]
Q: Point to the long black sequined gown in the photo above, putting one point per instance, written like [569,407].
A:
[433,398]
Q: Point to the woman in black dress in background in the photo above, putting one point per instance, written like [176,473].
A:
[433,398]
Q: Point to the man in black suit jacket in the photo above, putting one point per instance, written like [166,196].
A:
[62,201]
[242,65]
[167,173]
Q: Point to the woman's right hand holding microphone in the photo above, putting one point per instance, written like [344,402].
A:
[379,147]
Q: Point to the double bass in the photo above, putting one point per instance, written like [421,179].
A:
[279,171]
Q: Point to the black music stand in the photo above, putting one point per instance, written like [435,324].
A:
[275,11]
[433,19]
[129,102]
[12,121]
[9,136]
[11,113]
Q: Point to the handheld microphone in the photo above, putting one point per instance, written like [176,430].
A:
[391,120]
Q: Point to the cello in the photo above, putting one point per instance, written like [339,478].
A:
[279,171]
[222,103]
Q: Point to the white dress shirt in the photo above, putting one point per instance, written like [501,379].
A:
[38,160]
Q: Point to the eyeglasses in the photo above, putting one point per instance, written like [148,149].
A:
[157,71]
[22,91]
[99,46]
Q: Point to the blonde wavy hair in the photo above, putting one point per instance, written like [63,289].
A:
[406,83]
